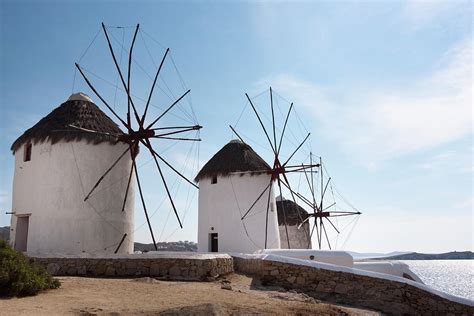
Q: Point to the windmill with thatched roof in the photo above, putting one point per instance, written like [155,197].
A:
[227,186]
[76,169]
[56,161]
[295,215]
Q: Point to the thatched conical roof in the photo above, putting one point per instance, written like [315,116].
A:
[233,157]
[79,111]
[291,211]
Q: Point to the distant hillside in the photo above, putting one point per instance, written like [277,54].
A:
[455,255]
[5,233]
[162,246]
[167,246]
[373,255]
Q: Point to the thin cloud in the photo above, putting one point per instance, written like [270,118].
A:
[388,224]
[467,203]
[420,13]
[385,124]
[458,161]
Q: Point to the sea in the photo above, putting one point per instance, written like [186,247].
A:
[451,276]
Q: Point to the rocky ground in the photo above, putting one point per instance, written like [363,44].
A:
[232,295]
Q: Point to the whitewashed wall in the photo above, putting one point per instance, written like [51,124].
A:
[299,238]
[220,208]
[52,186]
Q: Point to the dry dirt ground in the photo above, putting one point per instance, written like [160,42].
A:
[148,296]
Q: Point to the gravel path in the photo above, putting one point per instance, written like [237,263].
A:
[233,295]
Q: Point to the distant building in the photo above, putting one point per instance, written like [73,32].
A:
[229,183]
[56,165]
[293,215]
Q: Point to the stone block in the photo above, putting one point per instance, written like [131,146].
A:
[110,271]
[341,288]
[81,270]
[155,269]
[174,271]
[99,270]
[300,280]
[53,268]
[71,271]
[291,279]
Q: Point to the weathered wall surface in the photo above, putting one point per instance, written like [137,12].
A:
[50,190]
[191,267]
[390,297]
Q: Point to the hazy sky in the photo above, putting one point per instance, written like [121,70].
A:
[384,87]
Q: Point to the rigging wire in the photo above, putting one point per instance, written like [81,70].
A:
[190,115]
[351,231]
[241,214]
[80,58]
[135,96]
[177,179]
[245,106]
[179,185]
[184,87]
[100,189]
[299,123]
[150,77]
[147,74]
[193,117]
[340,194]
[120,63]
[173,97]
[153,39]
[269,120]
[84,193]
[188,206]
[120,26]
[180,78]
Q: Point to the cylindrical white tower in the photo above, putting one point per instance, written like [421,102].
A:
[290,217]
[57,163]
[229,183]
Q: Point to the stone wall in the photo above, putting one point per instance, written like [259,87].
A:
[390,297]
[191,267]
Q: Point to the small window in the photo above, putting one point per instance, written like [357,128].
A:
[27,152]
[214,180]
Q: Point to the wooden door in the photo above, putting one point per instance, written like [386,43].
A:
[21,233]
[214,242]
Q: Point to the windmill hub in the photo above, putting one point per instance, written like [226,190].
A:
[137,135]
[277,169]
[322,214]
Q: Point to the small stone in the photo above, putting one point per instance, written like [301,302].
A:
[226,286]
[274,272]
[146,280]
